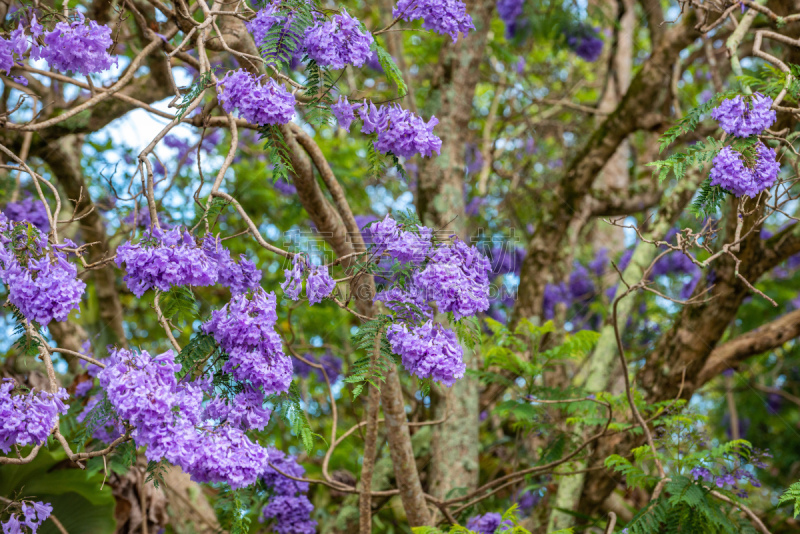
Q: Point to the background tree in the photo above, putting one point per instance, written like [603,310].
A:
[627,170]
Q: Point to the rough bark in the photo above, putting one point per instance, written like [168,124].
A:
[677,363]
[440,203]
[331,225]
[638,110]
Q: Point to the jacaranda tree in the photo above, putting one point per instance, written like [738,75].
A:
[297,266]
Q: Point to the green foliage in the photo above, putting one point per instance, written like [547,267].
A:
[98,416]
[277,151]
[692,118]
[231,507]
[195,90]
[279,45]
[684,506]
[792,495]
[179,304]
[156,472]
[697,154]
[708,200]
[771,80]
[196,353]
[509,515]
[468,330]
[390,68]
[376,160]
[27,344]
[634,476]
[362,371]
[292,412]
[79,499]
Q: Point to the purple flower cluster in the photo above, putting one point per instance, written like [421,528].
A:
[399,131]
[318,286]
[288,507]
[15,44]
[290,36]
[428,351]
[730,172]
[33,515]
[445,17]
[75,46]
[42,285]
[408,303]
[267,103]
[293,285]
[246,411]
[245,329]
[509,11]
[488,523]
[338,42]
[457,279]
[163,260]
[29,210]
[168,418]
[27,419]
[744,118]
[332,365]
[727,479]
[239,277]
[586,43]
[403,245]
[344,112]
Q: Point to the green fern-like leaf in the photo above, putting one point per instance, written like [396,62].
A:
[792,495]
[390,68]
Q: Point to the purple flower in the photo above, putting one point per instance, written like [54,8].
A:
[332,365]
[292,515]
[445,17]
[730,173]
[246,411]
[245,329]
[46,287]
[700,472]
[293,284]
[403,245]
[488,523]
[408,303]
[267,103]
[428,351]
[290,37]
[744,118]
[27,419]
[586,43]
[163,260]
[239,277]
[83,388]
[400,131]
[373,62]
[338,42]
[167,417]
[457,279]
[344,112]
[289,507]
[16,44]
[77,47]
[319,284]
[284,188]
[509,11]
